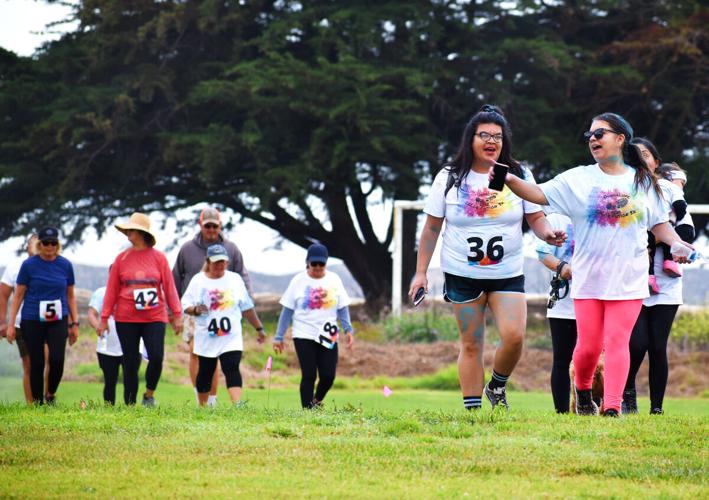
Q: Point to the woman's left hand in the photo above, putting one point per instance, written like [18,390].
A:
[350,340]
[555,237]
[261,337]
[681,250]
[73,334]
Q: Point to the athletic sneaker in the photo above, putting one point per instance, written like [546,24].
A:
[657,411]
[584,403]
[148,402]
[243,403]
[496,396]
[630,402]
[671,268]
[50,400]
[611,412]
[652,285]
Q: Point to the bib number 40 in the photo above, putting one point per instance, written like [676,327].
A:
[494,250]
[220,327]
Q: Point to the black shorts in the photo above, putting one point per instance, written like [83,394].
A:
[460,290]
[20,341]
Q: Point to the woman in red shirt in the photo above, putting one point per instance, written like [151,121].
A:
[140,286]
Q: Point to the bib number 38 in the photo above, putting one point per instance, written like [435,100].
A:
[145,298]
[493,251]
[328,337]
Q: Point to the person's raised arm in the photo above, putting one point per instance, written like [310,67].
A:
[525,190]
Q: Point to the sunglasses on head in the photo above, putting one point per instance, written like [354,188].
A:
[317,264]
[49,243]
[211,225]
[598,133]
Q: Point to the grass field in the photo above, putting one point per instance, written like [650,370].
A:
[362,445]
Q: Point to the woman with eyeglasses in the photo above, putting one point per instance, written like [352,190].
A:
[45,290]
[139,292]
[612,203]
[481,258]
[314,302]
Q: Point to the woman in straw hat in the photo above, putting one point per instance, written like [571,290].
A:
[140,286]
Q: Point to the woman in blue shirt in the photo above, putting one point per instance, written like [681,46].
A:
[45,288]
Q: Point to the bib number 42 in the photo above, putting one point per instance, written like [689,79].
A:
[494,251]
[145,298]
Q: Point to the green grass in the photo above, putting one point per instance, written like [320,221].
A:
[416,443]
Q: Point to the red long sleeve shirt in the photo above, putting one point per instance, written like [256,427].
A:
[139,285]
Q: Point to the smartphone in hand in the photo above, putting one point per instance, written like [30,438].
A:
[420,295]
[499,170]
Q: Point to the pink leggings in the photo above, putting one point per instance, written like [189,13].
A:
[604,325]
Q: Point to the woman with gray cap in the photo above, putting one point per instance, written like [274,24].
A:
[45,290]
[139,291]
[218,298]
[314,302]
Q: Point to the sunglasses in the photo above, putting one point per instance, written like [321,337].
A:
[598,133]
[317,264]
[49,243]
[211,226]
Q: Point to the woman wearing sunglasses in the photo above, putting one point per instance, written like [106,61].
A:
[139,291]
[315,301]
[612,204]
[482,257]
[45,289]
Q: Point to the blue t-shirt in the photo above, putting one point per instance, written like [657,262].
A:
[46,281]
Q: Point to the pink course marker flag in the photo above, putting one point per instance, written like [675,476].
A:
[269,363]
[387,392]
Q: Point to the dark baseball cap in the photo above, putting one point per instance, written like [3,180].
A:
[317,253]
[216,253]
[48,234]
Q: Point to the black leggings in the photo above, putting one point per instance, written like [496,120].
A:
[230,367]
[153,335]
[315,360]
[54,334]
[563,341]
[109,366]
[650,335]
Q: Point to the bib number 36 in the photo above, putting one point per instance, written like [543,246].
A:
[145,298]
[50,310]
[494,250]
[328,337]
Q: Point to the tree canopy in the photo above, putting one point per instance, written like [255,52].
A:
[297,114]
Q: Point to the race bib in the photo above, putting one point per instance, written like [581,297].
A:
[328,335]
[219,326]
[50,310]
[145,298]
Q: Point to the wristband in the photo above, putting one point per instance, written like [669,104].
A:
[259,329]
[560,266]
[75,323]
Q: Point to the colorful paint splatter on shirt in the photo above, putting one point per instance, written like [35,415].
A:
[319,298]
[220,300]
[613,208]
[484,202]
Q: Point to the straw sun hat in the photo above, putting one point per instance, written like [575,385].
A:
[138,222]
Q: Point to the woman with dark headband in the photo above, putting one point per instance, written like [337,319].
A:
[481,258]
[45,290]
[612,204]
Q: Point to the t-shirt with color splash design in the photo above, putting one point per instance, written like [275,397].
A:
[219,330]
[611,221]
[564,308]
[315,303]
[483,234]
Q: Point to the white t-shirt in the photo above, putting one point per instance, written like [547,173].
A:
[671,193]
[670,288]
[219,330]
[564,308]
[315,303]
[483,234]
[9,277]
[108,344]
[610,221]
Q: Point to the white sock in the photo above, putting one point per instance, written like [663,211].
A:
[196,395]
[212,401]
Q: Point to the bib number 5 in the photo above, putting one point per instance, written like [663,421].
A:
[145,298]
[329,336]
[50,310]
[494,250]
[219,327]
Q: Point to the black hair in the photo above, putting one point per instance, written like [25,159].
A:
[665,170]
[649,145]
[644,178]
[147,238]
[460,165]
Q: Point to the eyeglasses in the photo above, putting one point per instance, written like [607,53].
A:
[317,264]
[598,133]
[49,243]
[211,226]
[485,137]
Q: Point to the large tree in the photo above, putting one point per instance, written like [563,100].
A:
[297,114]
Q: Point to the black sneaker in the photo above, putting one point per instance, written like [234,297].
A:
[657,411]
[496,396]
[630,402]
[50,400]
[584,403]
[148,402]
[610,412]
